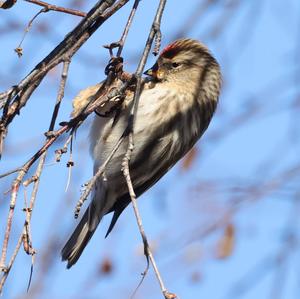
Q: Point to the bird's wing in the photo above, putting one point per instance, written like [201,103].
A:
[137,169]
[83,98]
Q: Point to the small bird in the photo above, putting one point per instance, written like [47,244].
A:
[175,108]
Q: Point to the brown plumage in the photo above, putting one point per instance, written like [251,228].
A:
[175,108]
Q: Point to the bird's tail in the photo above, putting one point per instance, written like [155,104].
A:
[78,240]
[87,225]
[86,228]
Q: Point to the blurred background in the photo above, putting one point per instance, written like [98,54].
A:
[224,223]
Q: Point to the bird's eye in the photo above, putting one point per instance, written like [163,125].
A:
[175,64]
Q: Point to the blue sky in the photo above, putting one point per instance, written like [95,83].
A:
[237,158]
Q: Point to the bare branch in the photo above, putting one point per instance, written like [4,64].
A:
[155,31]
[19,49]
[12,260]
[60,94]
[121,42]
[49,6]
[9,172]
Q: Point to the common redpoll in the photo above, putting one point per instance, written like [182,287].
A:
[174,110]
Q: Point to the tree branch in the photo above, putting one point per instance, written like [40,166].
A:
[154,34]
[48,6]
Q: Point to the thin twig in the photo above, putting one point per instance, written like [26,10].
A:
[121,42]
[128,24]
[147,250]
[38,174]
[19,49]
[59,152]
[60,93]
[140,282]
[26,229]
[49,6]
[70,164]
[155,30]
[90,184]
[8,268]
[14,192]
[9,172]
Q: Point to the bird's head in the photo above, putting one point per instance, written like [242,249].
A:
[180,61]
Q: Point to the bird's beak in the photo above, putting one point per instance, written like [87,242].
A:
[152,72]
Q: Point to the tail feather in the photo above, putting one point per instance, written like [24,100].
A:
[86,227]
[77,242]
[118,208]
[113,222]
